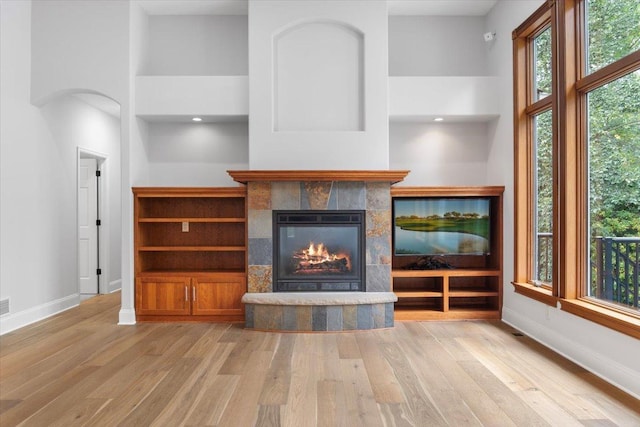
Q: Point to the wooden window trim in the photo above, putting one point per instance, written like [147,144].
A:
[574,245]
[525,108]
[609,73]
[568,104]
[605,316]
[538,293]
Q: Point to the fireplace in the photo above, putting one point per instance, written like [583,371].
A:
[318,250]
[268,304]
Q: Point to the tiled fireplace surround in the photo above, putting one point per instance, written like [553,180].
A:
[319,190]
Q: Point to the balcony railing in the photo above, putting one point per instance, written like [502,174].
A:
[545,257]
[615,268]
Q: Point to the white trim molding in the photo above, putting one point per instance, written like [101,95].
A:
[599,364]
[114,286]
[127,317]
[13,321]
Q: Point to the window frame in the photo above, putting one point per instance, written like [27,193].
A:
[526,108]
[570,88]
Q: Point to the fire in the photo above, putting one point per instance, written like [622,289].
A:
[318,257]
[317,252]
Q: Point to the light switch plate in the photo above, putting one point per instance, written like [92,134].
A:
[185,226]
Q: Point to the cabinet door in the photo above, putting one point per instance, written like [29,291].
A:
[218,295]
[168,296]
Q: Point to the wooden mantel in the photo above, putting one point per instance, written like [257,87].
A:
[391,176]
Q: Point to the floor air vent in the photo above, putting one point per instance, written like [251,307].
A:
[4,306]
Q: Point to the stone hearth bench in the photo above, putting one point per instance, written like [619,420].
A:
[319,311]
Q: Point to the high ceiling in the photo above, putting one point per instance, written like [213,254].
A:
[396,7]
[440,7]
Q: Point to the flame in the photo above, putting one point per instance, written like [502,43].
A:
[319,251]
[317,254]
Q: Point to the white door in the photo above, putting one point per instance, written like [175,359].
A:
[87,226]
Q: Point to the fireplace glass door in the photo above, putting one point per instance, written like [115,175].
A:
[318,251]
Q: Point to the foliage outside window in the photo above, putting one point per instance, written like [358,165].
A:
[613,141]
[543,156]
[612,31]
[543,159]
[577,158]
[542,64]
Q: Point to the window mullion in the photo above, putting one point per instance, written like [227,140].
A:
[609,73]
[568,194]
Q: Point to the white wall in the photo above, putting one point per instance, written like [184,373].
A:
[439,154]
[188,50]
[470,98]
[80,45]
[197,46]
[610,354]
[139,57]
[318,78]
[75,124]
[38,267]
[437,46]
[30,216]
[196,154]
[318,145]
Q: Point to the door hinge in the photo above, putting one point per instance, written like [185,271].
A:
[98,222]
[98,173]
[98,271]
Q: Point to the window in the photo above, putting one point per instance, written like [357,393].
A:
[612,31]
[613,120]
[577,159]
[542,64]
[534,109]
[543,229]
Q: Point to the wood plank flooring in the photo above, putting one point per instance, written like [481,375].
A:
[80,369]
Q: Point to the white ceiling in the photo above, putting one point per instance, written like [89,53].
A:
[195,7]
[440,7]
[240,7]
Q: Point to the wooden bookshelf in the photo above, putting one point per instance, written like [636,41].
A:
[190,253]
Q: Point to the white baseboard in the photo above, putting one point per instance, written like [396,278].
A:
[114,286]
[127,317]
[13,321]
[597,363]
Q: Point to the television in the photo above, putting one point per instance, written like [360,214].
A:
[429,226]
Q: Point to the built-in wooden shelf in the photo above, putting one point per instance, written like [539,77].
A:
[191,248]
[483,191]
[461,272]
[392,176]
[471,290]
[199,220]
[190,253]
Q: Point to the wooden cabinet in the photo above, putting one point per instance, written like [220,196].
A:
[218,295]
[190,253]
[167,296]
[206,294]
[472,288]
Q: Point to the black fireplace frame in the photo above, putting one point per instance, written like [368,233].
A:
[302,218]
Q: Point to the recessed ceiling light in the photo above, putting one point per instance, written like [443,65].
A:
[197,119]
[438,119]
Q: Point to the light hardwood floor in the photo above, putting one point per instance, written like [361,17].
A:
[80,368]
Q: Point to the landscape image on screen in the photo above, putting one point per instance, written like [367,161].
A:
[441,226]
